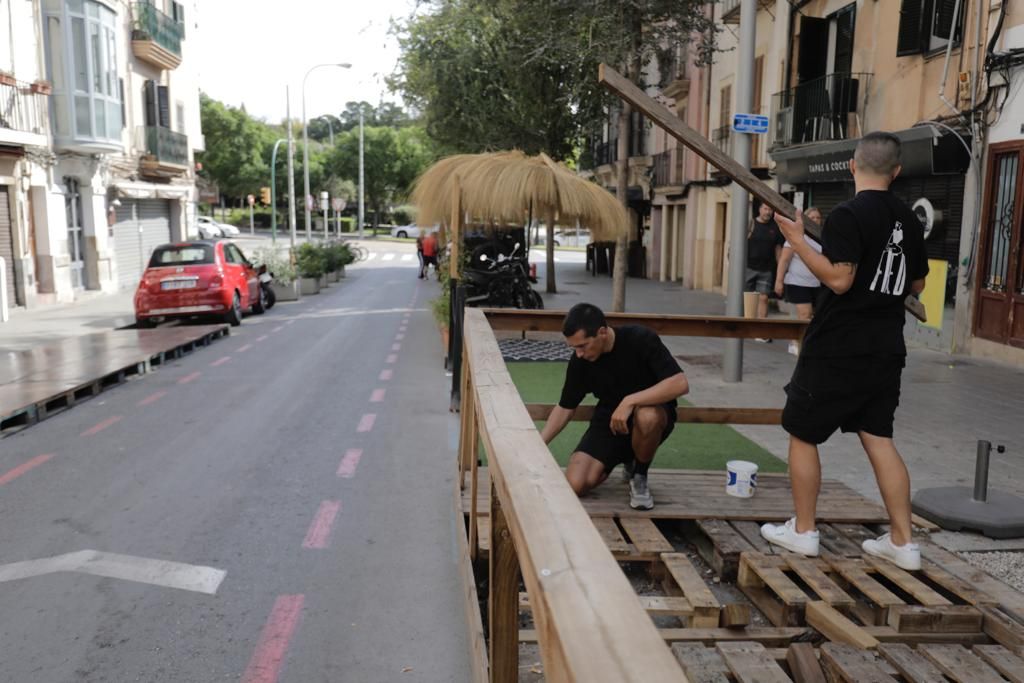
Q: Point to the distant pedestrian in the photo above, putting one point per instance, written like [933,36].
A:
[849,371]
[429,253]
[419,253]
[764,246]
[795,281]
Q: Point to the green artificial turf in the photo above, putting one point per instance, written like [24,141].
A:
[690,446]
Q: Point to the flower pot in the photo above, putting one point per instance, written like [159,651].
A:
[309,285]
[341,272]
[324,284]
[444,339]
[286,292]
[333,276]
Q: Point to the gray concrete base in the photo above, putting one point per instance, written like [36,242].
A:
[954,508]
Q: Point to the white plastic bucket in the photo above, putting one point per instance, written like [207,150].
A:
[742,479]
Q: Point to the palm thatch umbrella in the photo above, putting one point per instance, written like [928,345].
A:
[507,189]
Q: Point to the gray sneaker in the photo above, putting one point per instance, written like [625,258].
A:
[627,471]
[640,497]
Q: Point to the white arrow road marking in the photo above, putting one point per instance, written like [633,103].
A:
[188,577]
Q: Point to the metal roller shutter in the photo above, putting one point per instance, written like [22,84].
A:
[142,225]
[7,245]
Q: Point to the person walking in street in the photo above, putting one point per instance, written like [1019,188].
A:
[429,248]
[419,253]
[636,381]
[849,370]
[764,246]
[794,280]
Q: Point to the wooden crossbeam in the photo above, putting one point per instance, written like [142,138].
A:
[674,126]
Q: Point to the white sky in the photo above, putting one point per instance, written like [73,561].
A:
[249,52]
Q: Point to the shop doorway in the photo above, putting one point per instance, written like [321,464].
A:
[76,254]
[1000,302]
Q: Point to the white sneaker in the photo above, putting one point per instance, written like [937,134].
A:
[786,536]
[794,349]
[903,556]
[762,340]
[640,497]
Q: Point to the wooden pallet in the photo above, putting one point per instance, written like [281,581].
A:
[633,539]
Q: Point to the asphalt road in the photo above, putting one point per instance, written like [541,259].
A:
[308,456]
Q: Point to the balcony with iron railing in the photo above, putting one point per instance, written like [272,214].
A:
[823,109]
[164,151]
[722,139]
[24,113]
[730,10]
[156,37]
[663,169]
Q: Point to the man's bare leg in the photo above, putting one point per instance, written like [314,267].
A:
[893,483]
[805,478]
[649,423]
[762,305]
[585,473]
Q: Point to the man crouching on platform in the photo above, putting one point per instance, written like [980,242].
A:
[636,381]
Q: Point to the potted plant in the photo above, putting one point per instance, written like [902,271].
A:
[309,262]
[285,283]
[344,257]
[42,87]
[441,307]
[332,260]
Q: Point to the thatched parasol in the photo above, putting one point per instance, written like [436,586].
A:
[505,188]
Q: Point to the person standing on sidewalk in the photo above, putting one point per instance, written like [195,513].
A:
[636,381]
[429,253]
[794,280]
[848,373]
[764,247]
[419,253]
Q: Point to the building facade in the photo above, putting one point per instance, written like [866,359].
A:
[110,175]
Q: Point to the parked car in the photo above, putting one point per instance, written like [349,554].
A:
[411,230]
[198,278]
[566,238]
[210,229]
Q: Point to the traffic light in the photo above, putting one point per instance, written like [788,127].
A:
[265,196]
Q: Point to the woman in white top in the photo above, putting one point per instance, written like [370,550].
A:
[795,279]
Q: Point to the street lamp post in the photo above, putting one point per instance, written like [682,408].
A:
[305,147]
[361,217]
[273,192]
[291,178]
[330,127]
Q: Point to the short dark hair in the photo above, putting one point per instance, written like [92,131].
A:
[586,317]
[878,153]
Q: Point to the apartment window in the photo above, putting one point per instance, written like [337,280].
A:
[158,104]
[178,12]
[179,117]
[925,26]
[81,50]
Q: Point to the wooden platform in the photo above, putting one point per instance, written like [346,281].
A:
[38,383]
[698,494]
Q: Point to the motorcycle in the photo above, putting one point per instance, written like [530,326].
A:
[266,278]
[502,281]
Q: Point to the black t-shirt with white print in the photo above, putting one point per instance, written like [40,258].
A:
[879,233]
[638,360]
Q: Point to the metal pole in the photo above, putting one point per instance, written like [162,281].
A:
[273,192]
[732,366]
[291,176]
[305,162]
[361,211]
[252,223]
[981,471]
[330,130]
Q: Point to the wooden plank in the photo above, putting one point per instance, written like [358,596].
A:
[750,664]
[853,572]
[920,591]
[654,605]
[1005,596]
[845,664]
[837,542]
[855,533]
[818,581]
[503,602]
[803,664]
[705,605]
[956,585]
[735,615]
[645,536]
[960,664]
[1003,629]
[912,666]
[684,414]
[701,664]
[763,598]
[726,545]
[611,535]
[711,636]
[887,634]
[751,533]
[920,619]
[674,126]
[471,606]
[1002,660]
[836,627]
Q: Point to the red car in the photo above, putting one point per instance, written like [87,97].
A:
[198,278]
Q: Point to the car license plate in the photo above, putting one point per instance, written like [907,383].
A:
[177,284]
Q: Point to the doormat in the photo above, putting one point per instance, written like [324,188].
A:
[533,350]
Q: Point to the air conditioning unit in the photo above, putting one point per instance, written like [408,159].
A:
[784,126]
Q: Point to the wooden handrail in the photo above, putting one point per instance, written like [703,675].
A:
[691,414]
[671,325]
[589,621]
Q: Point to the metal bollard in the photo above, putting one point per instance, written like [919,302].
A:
[981,471]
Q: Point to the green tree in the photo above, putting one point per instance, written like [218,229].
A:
[237,149]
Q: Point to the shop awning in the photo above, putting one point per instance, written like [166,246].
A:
[131,190]
[927,150]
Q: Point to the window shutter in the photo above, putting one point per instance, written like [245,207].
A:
[164,105]
[152,115]
[911,34]
[944,19]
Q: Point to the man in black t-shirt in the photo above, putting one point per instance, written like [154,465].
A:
[848,374]
[764,246]
[636,381]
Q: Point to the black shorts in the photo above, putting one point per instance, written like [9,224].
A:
[429,260]
[852,394]
[795,294]
[612,449]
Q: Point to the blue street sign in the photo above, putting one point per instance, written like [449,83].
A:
[750,123]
